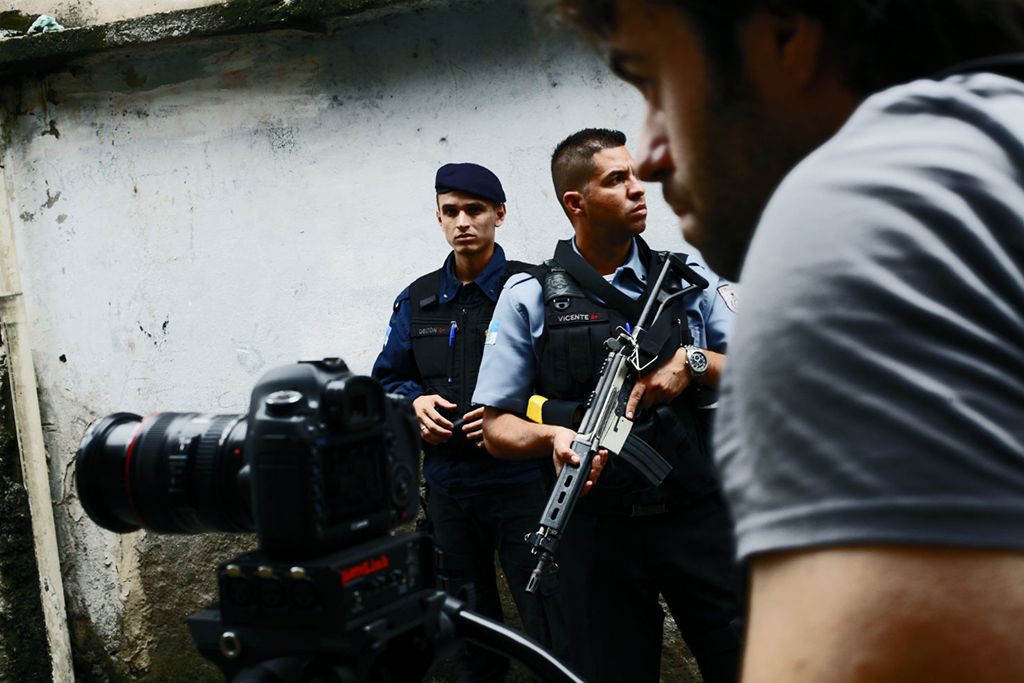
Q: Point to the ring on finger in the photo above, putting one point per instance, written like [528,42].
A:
[423,428]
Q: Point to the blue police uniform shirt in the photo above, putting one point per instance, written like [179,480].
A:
[396,370]
[509,365]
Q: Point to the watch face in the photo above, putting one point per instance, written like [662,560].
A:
[698,362]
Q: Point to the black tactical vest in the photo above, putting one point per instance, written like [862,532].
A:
[571,354]
[448,343]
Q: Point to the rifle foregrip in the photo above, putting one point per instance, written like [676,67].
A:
[567,490]
[571,481]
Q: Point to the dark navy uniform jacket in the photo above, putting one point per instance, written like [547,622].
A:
[396,369]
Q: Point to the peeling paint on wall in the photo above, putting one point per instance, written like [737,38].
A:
[137,636]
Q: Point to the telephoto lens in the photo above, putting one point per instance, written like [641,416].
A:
[168,473]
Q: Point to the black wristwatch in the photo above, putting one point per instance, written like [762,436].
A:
[697,360]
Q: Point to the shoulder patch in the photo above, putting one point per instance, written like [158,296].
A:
[387,335]
[492,333]
[728,295]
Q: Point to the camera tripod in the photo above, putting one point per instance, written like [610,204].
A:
[399,646]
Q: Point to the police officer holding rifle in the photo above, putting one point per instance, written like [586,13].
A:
[628,540]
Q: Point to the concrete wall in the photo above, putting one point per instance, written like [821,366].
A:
[91,12]
[191,216]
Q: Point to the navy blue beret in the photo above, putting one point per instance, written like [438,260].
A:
[469,178]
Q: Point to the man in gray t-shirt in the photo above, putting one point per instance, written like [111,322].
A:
[871,430]
[903,244]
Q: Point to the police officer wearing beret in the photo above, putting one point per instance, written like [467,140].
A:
[628,542]
[432,350]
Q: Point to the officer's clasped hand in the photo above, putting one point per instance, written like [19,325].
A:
[472,423]
[436,429]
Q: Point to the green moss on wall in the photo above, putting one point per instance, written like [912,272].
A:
[91,661]
[16,21]
[22,629]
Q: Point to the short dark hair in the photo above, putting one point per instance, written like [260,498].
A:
[879,43]
[572,162]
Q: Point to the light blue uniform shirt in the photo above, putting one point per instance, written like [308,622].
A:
[509,365]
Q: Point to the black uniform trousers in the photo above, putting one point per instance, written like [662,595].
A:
[611,571]
[468,532]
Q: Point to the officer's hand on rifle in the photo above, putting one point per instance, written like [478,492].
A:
[562,453]
[474,425]
[434,427]
[661,386]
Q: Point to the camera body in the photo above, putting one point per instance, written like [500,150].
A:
[323,460]
[332,459]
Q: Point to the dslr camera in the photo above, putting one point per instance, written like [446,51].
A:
[323,467]
[323,459]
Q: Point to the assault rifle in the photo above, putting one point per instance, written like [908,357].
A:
[604,425]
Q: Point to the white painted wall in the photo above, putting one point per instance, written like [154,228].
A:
[90,12]
[189,217]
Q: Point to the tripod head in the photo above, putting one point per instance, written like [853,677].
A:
[368,614]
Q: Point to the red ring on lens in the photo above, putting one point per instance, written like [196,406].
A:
[127,466]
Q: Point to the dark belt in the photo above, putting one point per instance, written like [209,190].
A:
[646,510]
[626,508]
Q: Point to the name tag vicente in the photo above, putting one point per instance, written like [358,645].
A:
[576,318]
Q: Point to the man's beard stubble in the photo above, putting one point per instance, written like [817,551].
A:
[741,161]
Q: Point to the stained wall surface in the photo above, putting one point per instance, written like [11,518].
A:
[191,216]
[89,12]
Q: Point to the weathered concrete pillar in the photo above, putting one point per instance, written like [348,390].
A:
[24,406]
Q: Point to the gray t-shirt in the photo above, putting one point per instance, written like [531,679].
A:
[875,384]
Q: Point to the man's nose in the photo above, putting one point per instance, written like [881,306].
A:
[636,188]
[654,161]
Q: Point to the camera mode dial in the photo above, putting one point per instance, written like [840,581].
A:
[283,403]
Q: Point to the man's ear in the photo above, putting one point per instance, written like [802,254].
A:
[438,213]
[500,211]
[783,49]
[575,203]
